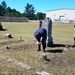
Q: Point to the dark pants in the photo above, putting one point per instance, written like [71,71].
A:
[43,41]
[40,25]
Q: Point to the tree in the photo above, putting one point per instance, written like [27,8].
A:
[8,11]
[15,13]
[1,11]
[40,15]
[29,11]
[12,12]
[4,6]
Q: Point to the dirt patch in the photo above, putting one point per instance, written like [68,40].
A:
[20,46]
[8,42]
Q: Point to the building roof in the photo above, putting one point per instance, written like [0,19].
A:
[61,9]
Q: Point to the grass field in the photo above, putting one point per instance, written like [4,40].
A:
[22,57]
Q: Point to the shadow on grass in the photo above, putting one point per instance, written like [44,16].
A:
[58,45]
[55,51]
[3,30]
[61,45]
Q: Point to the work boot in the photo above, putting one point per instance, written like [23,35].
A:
[39,47]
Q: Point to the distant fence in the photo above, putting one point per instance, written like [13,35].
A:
[13,19]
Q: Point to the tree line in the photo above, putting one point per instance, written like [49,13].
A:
[29,12]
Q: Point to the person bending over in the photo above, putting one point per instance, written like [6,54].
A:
[41,36]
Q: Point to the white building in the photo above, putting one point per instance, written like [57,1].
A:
[61,15]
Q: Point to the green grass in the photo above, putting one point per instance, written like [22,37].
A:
[25,51]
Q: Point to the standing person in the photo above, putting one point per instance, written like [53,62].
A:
[41,36]
[40,23]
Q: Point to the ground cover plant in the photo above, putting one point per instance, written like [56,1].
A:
[22,57]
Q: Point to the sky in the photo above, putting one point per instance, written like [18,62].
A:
[40,5]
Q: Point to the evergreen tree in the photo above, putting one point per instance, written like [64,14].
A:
[29,11]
